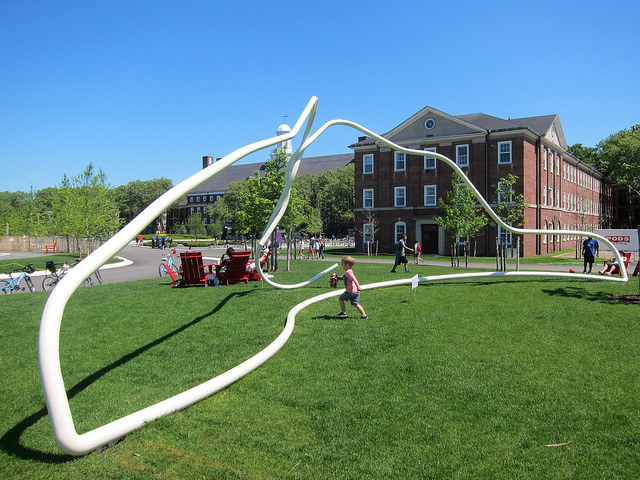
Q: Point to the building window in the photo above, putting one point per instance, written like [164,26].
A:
[544,159]
[430,197]
[504,152]
[505,237]
[551,162]
[503,200]
[429,162]
[192,199]
[400,229]
[211,198]
[367,233]
[198,200]
[550,198]
[544,195]
[367,163]
[367,198]
[400,161]
[400,196]
[191,210]
[204,209]
[462,155]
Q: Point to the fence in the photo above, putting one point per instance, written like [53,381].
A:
[25,243]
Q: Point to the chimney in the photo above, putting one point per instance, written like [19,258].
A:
[206,161]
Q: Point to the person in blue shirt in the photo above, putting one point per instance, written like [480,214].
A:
[590,250]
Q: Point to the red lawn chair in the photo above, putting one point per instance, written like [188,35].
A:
[194,272]
[236,270]
[625,259]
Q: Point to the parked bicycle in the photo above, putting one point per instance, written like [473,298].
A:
[56,275]
[167,262]
[15,284]
[89,281]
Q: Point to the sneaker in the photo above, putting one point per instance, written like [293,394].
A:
[365,317]
[342,315]
[406,270]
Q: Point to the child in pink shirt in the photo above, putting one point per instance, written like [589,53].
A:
[352,288]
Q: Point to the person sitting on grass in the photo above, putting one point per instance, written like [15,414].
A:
[351,288]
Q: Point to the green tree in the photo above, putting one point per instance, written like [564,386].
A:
[195,225]
[84,207]
[586,154]
[619,158]
[135,196]
[460,218]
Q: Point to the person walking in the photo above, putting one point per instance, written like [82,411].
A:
[401,254]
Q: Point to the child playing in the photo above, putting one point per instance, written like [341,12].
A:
[352,288]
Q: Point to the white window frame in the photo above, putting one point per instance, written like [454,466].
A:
[367,198]
[399,228]
[507,152]
[462,160]
[500,200]
[400,196]
[367,233]
[430,162]
[430,191]
[399,161]
[367,163]
[545,153]
[508,235]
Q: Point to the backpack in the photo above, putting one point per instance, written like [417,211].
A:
[212,280]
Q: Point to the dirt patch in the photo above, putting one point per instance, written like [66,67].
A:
[633,299]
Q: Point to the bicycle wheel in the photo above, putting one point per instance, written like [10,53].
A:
[162,271]
[32,287]
[6,288]
[48,283]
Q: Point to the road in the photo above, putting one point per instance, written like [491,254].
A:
[142,263]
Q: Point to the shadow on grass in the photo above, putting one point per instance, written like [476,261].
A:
[10,441]
[581,293]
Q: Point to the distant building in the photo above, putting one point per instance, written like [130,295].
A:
[209,192]
[401,191]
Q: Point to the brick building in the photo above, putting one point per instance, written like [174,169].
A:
[400,192]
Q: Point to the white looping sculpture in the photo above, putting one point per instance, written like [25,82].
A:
[49,337]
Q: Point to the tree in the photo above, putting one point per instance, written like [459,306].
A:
[586,154]
[510,208]
[135,196]
[195,225]
[460,217]
[619,158]
[84,207]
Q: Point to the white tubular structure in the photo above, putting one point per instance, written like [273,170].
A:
[49,337]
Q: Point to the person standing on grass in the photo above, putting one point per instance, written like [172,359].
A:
[351,288]
[590,250]
[401,254]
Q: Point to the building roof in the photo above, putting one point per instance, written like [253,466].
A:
[219,183]
[547,126]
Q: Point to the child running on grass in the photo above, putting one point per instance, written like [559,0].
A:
[352,288]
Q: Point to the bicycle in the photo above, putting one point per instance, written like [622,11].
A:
[88,281]
[49,282]
[167,263]
[14,284]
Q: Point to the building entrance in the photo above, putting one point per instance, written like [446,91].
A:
[430,239]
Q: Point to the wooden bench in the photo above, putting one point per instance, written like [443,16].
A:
[50,248]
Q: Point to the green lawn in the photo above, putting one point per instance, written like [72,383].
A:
[460,379]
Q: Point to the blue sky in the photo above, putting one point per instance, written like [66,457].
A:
[144,89]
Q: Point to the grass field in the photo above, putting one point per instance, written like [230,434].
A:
[460,379]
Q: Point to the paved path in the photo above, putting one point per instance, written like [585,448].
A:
[142,263]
